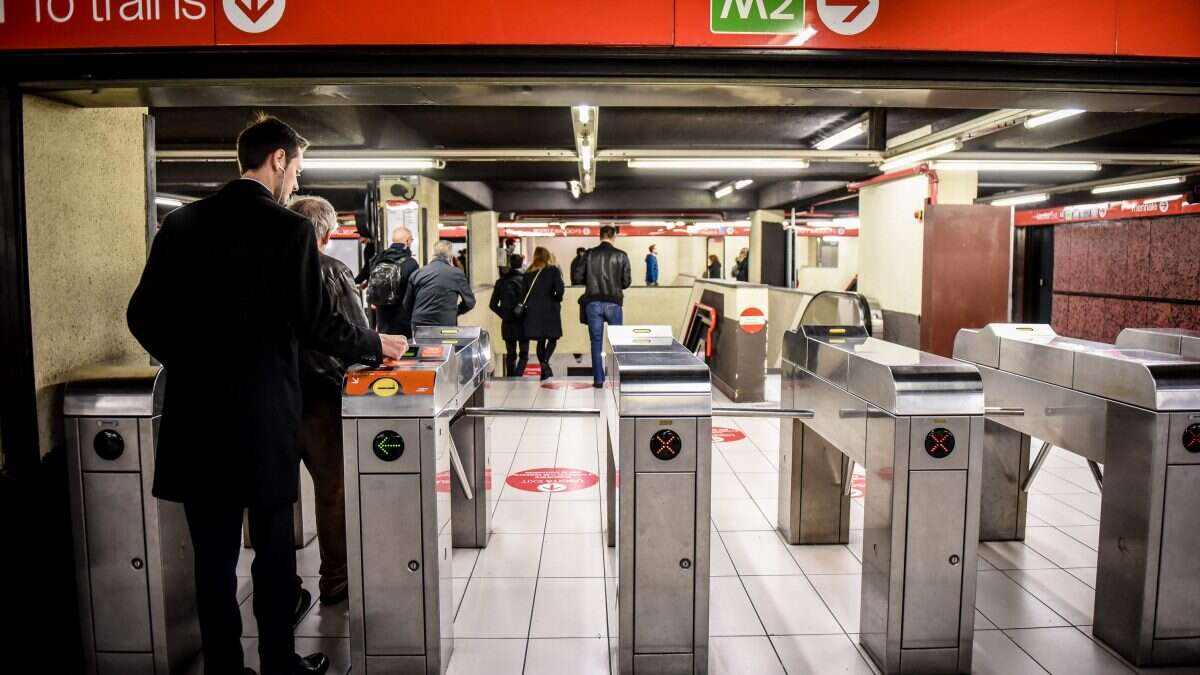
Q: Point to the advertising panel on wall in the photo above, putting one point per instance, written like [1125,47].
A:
[1166,28]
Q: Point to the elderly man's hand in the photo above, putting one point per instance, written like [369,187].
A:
[394,346]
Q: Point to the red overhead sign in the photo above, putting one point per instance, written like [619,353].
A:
[1168,28]
[1129,208]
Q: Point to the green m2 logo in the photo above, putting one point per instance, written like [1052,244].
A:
[757,16]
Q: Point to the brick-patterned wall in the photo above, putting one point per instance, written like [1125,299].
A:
[1118,274]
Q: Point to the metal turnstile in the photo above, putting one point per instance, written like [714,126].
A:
[1185,343]
[915,422]
[471,520]
[1137,413]
[658,413]
[133,554]
[399,453]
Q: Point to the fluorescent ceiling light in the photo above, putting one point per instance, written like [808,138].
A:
[652,223]
[723,191]
[1048,118]
[718,163]
[585,154]
[370,163]
[583,113]
[917,156]
[1013,165]
[743,183]
[1138,185]
[168,201]
[1023,199]
[845,135]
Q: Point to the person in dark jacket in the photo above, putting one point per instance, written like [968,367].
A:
[741,265]
[652,266]
[579,267]
[368,253]
[714,268]
[321,378]
[607,277]
[543,315]
[228,322]
[388,285]
[509,292]
[438,292]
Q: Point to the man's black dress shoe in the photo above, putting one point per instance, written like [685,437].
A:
[313,664]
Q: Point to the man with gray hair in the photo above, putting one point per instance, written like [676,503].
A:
[438,292]
[321,378]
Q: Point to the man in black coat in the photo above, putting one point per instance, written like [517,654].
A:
[579,267]
[227,316]
[388,285]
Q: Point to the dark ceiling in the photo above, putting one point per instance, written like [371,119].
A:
[533,186]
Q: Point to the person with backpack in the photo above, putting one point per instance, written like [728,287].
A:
[506,296]
[389,283]
[543,306]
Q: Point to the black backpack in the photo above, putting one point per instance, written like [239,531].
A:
[387,284]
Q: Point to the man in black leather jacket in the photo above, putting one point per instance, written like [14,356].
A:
[607,275]
[321,378]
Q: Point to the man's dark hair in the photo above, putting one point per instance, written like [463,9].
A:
[580,251]
[262,138]
[515,261]
[608,232]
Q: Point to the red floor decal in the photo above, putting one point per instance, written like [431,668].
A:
[566,385]
[553,479]
[726,435]
[858,485]
[443,480]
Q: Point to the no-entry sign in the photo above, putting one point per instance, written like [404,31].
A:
[553,479]
[726,435]
[753,320]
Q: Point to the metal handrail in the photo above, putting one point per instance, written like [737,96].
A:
[531,412]
[764,412]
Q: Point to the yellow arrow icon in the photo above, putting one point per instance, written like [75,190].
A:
[385,387]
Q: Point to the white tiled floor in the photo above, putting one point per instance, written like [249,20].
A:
[541,597]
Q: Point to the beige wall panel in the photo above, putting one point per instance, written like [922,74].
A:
[85,197]
[891,243]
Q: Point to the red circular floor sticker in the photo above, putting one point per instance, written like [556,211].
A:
[553,479]
[858,485]
[443,480]
[753,320]
[726,435]
[566,385]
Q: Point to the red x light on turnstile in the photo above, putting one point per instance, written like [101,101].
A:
[1191,438]
[665,444]
[939,443]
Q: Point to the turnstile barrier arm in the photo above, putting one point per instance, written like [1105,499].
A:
[1043,453]
[764,412]
[456,461]
[531,412]
[1004,412]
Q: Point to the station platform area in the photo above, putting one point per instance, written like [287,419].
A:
[540,599]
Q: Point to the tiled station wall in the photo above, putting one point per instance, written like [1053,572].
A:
[1111,275]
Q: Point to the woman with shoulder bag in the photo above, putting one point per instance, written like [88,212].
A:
[509,291]
[544,290]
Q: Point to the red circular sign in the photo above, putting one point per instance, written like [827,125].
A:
[753,320]
[553,479]
[566,385]
[726,435]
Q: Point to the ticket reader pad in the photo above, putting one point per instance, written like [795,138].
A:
[915,422]
[133,555]
[396,439]
[1136,412]
[471,520]
[659,416]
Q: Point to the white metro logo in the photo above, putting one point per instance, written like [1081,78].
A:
[253,16]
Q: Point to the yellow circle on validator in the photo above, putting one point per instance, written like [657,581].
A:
[385,387]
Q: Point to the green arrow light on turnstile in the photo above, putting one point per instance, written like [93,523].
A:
[388,445]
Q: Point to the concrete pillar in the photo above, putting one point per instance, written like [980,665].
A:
[87,209]
[757,219]
[892,242]
[483,240]
[428,192]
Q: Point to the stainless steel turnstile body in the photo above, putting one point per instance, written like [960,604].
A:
[133,555]
[471,520]
[1137,413]
[659,417]
[397,445]
[915,422]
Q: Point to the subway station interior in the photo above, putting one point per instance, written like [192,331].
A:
[906,380]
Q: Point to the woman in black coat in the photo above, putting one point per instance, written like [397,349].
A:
[509,291]
[714,267]
[543,314]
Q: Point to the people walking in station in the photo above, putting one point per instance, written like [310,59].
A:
[607,276]
[579,267]
[388,284]
[227,322]
[714,268]
[321,378]
[544,291]
[509,291]
[741,266]
[652,266]
[438,292]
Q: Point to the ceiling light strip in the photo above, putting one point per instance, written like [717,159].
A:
[1028,166]
[1138,185]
